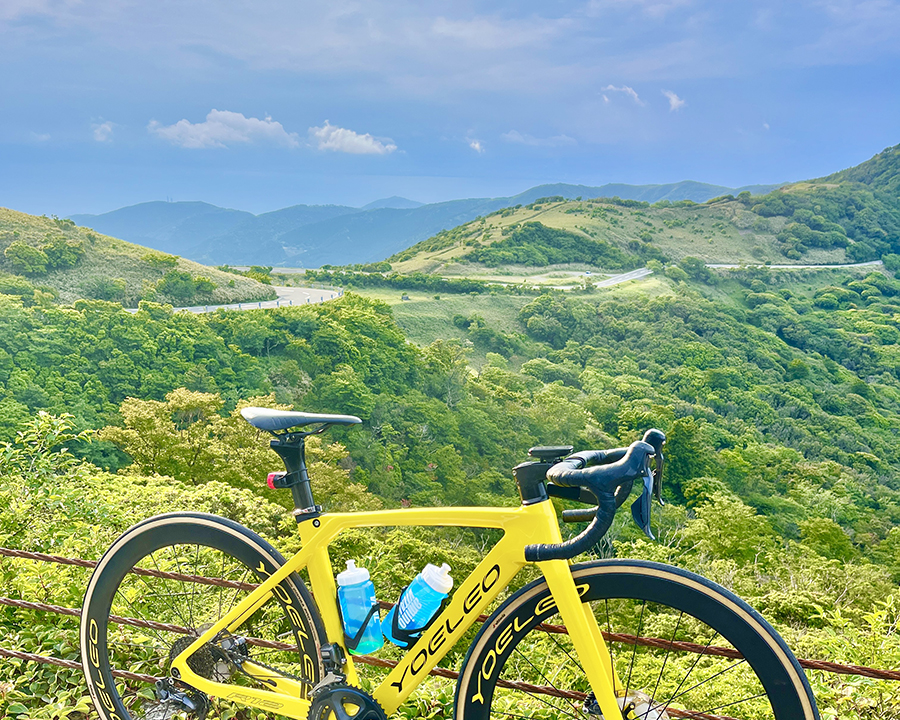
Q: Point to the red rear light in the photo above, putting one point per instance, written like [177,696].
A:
[273,478]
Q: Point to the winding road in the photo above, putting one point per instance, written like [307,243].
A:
[308,296]
[286,296]
[871,263]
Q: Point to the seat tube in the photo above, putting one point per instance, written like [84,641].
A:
[584,634]
[293,454]
[321,577]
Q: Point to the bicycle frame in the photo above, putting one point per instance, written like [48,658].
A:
[523,525]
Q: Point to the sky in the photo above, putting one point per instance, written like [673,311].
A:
[265,104]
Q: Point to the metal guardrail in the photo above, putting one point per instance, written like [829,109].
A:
[808,664]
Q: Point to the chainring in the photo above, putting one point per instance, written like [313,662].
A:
[344,702]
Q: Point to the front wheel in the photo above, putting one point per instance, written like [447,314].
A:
[159,587]
[683,647]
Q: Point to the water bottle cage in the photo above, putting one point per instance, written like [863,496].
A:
[351,643]
[407,638]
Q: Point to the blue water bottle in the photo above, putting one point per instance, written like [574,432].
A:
[359,609]
[417,605]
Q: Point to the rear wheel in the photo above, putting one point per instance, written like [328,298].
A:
[683,647]
[160,586]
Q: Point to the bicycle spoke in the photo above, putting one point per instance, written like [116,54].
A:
[548,704]
[690,670]
[194,586]
[153,594]
[550,683]
[568,654]
[711,677]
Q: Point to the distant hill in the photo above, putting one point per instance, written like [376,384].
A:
[881,173]
[46,259]
[684,190]
[315,235]
[851,216]
[395,202]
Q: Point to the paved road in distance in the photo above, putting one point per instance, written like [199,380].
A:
[286,296]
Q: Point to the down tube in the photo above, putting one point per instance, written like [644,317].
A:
[468,602]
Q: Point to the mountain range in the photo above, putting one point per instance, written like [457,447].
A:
[315,235]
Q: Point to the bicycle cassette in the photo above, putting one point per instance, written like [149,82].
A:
[344,702]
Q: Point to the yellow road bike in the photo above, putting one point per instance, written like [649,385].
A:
[191,615]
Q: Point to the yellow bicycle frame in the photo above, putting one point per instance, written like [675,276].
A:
[523,525]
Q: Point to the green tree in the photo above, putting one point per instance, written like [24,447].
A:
[177,284]
[343,391]
[827,538]
[25,259]
[686,457]
[160,261]
[727,528]
[62,253]
[696,269]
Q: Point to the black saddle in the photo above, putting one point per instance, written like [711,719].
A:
[274,420]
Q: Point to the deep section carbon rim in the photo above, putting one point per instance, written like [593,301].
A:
[160,586]
[682,648]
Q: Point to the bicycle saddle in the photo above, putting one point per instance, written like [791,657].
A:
[273,420]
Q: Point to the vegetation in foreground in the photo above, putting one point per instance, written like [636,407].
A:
[779,403]
[48,260]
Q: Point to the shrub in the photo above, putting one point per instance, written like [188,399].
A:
[25,259]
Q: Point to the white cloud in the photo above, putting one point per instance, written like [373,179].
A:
[39,137]
[476,146]
[103,131]
[493,33]
[675,102]
[332,137]
[765,126]
[656,9]
[515,136]
[17,9]
[223,128]
[630,92]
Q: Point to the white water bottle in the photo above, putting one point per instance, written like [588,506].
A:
[418,604]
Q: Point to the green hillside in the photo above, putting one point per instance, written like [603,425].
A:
[47,259]
[780,395]
[881,173]
[852,216]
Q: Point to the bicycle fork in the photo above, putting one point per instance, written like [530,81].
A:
[586,637]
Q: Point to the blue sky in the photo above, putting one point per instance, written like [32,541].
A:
[259,105]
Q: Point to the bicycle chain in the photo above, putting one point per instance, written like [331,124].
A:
[276,671]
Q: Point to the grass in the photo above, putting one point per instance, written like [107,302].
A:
[651,286]
[110,259]
[724,232]
[425,319]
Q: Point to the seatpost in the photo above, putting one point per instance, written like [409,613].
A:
[293,453]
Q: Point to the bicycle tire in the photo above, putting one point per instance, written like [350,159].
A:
[187,544]
[642,594]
